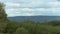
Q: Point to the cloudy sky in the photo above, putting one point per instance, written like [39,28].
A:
[32,7]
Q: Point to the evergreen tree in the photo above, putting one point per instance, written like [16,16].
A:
[3,18]
[3,15]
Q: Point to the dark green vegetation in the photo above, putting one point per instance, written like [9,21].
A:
[30,27]
[26,27]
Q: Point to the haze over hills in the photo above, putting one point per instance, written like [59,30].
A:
[35,18]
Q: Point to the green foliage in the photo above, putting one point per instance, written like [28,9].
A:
[2,27]
[21,31]
[54,23]
[11,27]
[31,27]
[3,15]
[3,18]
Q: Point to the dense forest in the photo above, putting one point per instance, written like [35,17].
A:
[26,27]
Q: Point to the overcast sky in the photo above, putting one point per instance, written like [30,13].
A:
[32,7]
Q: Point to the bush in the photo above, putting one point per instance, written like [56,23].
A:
[21,31]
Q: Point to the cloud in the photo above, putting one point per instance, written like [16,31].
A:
[33,12]
[54,4]
[21,12]
[32,7]
[12,4]
[12,12]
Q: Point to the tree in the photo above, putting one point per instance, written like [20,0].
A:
[3,15]
[3,18]
[21,31]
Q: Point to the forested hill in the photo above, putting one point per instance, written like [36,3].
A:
[35,18]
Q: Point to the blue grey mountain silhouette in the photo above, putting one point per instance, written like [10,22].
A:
[34,18]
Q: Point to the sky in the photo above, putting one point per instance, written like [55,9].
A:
[32,7]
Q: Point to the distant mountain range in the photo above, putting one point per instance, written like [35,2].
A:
[35,18]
